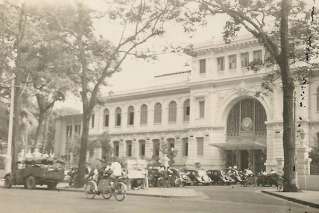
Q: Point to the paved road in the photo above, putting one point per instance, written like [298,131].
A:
[217,199]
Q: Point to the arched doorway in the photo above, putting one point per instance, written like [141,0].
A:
[246,135]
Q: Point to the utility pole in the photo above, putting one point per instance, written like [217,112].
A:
[10,141]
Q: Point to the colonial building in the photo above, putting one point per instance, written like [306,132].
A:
[215,115]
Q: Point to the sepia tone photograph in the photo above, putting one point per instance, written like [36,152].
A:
[159,106]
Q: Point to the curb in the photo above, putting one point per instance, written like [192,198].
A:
[134,194]
[303,202]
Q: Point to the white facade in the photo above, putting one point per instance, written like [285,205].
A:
[212,95]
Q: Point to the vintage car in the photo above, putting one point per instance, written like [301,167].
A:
[37,172]
[270,179]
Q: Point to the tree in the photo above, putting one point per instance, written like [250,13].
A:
[13,34]
[107,149]
[277,25]
[169,152]
[99,58]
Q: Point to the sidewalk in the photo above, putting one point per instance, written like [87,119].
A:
[150,192]
[308,198]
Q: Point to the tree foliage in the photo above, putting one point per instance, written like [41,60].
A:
[98,58]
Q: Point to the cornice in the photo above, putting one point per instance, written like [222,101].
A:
[225,81]
[150,92]
[210,47]
[184,130]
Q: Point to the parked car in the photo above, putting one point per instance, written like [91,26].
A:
[272,179]
[36,172]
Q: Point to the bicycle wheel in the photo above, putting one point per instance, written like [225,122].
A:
[105,189]
[119,191]
[90,190]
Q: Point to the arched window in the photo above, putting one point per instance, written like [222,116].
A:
[247,117]
[144,114]
[186,110]
[156,147]
[116,148]
[157,113]
[130,115]
[171,143]
[317,95]
[118,116]
[106,117]
[172,111]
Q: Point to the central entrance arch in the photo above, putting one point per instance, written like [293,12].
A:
[246,135]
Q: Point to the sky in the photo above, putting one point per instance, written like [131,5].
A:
[140,73]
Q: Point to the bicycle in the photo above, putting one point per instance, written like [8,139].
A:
[106,187]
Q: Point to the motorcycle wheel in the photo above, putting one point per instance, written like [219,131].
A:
[119,191]
[178,182]
[89,190]
[105,189]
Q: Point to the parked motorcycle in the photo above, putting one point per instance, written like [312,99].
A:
[73,173]
[205,178]
[194,177]
[155,177]
[177,178]
[218,177]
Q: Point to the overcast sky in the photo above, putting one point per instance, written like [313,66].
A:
[140,73]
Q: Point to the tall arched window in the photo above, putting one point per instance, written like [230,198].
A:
[130,115]
[186,110]
[144,114]
[118,116]
[172,111]
[317,95]
[247,117]
[157,113]
[106,118]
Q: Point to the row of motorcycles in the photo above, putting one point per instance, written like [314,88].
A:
[173,177]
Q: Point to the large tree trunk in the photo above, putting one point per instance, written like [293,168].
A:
[40,130]
[45,135]
[83,147]
[288,104]
[16,124]
[17,93]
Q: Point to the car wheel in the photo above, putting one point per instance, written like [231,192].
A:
[30,182]
[52,186]
[7,181]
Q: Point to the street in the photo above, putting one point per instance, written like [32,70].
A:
[215,199]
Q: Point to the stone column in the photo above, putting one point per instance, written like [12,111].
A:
[274,155]
[179,149]
[135,148]
[98,153]
[122,148]
[148,148]
[191,152]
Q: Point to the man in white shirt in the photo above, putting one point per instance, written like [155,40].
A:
[117,169]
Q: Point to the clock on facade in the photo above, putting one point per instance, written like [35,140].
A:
[247,123]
